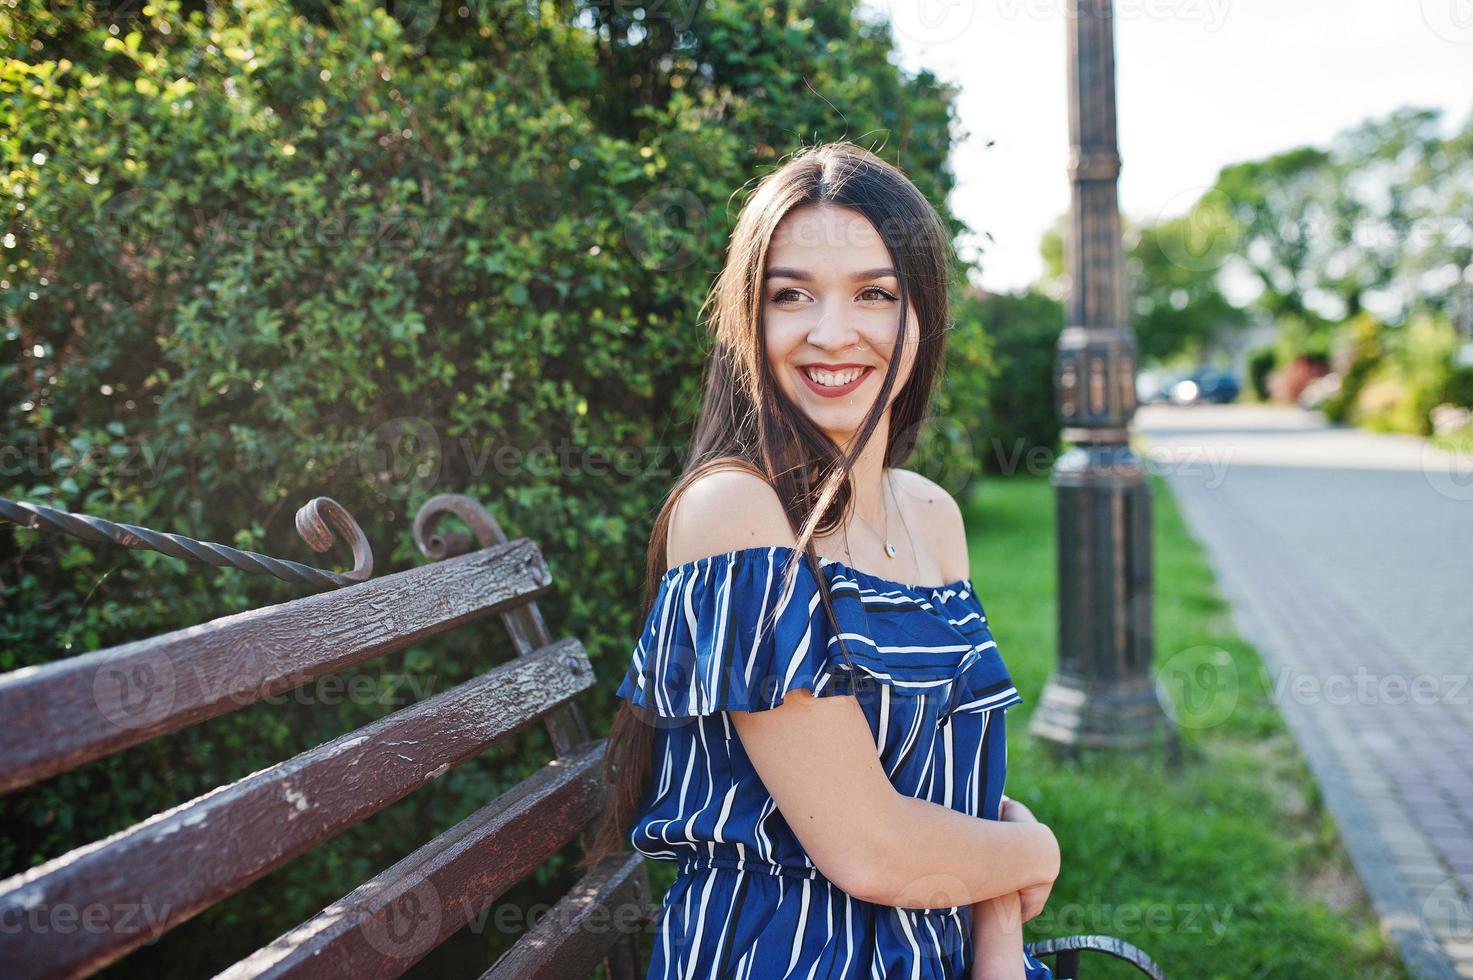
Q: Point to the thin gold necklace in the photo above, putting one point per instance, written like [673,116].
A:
[890,550]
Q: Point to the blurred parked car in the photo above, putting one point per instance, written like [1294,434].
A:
[1154,385]
[1205,386]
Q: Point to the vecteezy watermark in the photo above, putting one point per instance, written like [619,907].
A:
[1364,687]
[930,21]
[406,920]
[145,689]
[1199,686]
[141,463]
[61,919]
[139,222]
[1127,918]
[1447,911]
[1205,235]
[666,229]
[135,694]
[1212,14]
[1451,20]
[1201,228]
[133,223]
[401,457]
[1449,472]
[1209,462]
[939,21]
[678,14]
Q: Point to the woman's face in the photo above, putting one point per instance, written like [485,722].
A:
[832,306]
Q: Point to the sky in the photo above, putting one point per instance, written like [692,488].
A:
[1200,84]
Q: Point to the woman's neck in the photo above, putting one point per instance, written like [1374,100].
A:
[873,500]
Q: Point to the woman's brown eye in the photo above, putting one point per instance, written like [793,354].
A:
[783,292]
[876,289]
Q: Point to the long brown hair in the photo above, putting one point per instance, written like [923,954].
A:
[746,421]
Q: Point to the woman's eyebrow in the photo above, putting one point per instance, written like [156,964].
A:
[787,272]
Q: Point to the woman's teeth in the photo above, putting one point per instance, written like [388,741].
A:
[833,379]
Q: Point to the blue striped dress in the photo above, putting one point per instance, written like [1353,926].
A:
[747,902]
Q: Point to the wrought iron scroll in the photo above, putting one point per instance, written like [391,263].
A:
[316,522]
[437,546]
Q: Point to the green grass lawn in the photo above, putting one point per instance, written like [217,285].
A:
[1228,867]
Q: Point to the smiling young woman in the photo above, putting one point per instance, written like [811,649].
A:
[814,718]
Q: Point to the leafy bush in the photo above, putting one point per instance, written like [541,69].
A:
[1459,388]
[1424,360]
[259,252]
[1355,361]
[1260,365]
[1020,422]
[1412,379]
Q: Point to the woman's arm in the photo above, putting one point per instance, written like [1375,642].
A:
[816,756]
[997,939]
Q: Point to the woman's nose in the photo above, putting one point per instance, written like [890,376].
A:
[831,332]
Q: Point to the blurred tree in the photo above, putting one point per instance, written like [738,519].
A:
[1020,418]
[1281,207]
[1396,187]
[1178,310]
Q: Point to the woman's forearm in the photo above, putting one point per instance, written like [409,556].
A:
[929,856]
[997,939]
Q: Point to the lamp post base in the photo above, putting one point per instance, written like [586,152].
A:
[1103,694]
[1074,718]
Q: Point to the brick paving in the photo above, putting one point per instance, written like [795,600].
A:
[1347,557]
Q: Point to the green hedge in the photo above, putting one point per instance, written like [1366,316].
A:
[1020,428]
[258,254]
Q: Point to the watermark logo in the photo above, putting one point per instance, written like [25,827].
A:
[406,925]
[1207,921]
[132,224]
[1364,687]
[1450,473]
[666,229]
[135,695]
[1451,20]
[1447,912]
[1211,14]
[931,21]
[401,457]
[1199,686]
[64,919]
[1205,236]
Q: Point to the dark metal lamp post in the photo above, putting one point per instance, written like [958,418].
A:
[1103,694]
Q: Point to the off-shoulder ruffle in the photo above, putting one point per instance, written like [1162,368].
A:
[699,651]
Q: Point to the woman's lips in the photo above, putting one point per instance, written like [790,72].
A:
[835,392]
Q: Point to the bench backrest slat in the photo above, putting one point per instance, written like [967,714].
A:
[579,932]
[64,714]
[179,862]
[390,922]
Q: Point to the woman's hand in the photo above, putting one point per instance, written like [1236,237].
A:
[1033,897]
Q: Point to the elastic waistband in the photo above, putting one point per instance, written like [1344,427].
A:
[693,864]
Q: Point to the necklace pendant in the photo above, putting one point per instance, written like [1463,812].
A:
[889,549]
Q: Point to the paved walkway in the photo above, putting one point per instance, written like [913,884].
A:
[1348,559]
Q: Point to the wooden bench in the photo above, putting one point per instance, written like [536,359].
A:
[177,863]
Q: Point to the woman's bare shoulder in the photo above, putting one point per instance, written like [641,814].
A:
[728,508]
